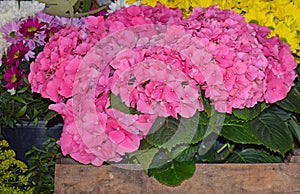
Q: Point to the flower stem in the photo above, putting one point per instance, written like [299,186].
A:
[222,148]
[230,150]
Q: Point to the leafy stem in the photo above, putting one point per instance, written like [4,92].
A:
[230,150]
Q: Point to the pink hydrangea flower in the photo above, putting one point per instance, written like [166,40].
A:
[57,64]
[157,62]
[247,59]
[121,134]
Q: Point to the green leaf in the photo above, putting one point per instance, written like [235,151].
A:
[50,115]
[183,153]
[35,112]
[22,90]
[162,130]
[145,157]
[210,156]
[249,113]
[116,103]
[294,127]
[292,101]
[284,115]
[272,132]
[171,172]
[253,21]
[186,130]
[170,132]
[86,5]
[22,111]
[63,8]
[36,120]
[20,99]
[253,156]
[239,132]
[208,125]
[208,108]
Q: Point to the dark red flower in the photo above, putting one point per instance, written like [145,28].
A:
[30,27]
[15,53]
[13,77]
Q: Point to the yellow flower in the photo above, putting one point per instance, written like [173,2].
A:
[148,2]
[4,144]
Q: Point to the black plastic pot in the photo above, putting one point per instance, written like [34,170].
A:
[22,138]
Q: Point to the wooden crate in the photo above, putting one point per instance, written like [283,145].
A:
[208,178]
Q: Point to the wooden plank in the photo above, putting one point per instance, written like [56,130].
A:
[208,178]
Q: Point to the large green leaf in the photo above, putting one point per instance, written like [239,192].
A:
[251,155]
[170,132]
[162,130]
[272,132]
[145,157]
[173,173]
[292,101]
[210,155]
[67,8]
[239,132]
[183,153]
[208,125]
[170,171]
[186,130]
[294,127]
[249,113]
[63,8]
[276,110]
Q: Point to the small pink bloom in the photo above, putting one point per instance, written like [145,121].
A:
[224,56]
[95,24]
[276,90]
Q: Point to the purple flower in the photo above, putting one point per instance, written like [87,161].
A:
[13,77]
[15,53]
[11,32]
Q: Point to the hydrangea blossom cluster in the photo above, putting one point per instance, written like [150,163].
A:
[25,37]
[280,15]
[157,63]
[53,71]
[53,75]
[157,89]
[252,65]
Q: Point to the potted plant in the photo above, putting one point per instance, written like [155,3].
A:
[146,85]
[25,119]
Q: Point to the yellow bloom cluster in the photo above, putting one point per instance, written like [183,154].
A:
[281,16]
[13,177]
[184,5]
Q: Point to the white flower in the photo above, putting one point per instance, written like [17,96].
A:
[12,91]
[104,2]
[3,46]
[118,4]
[9,10]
